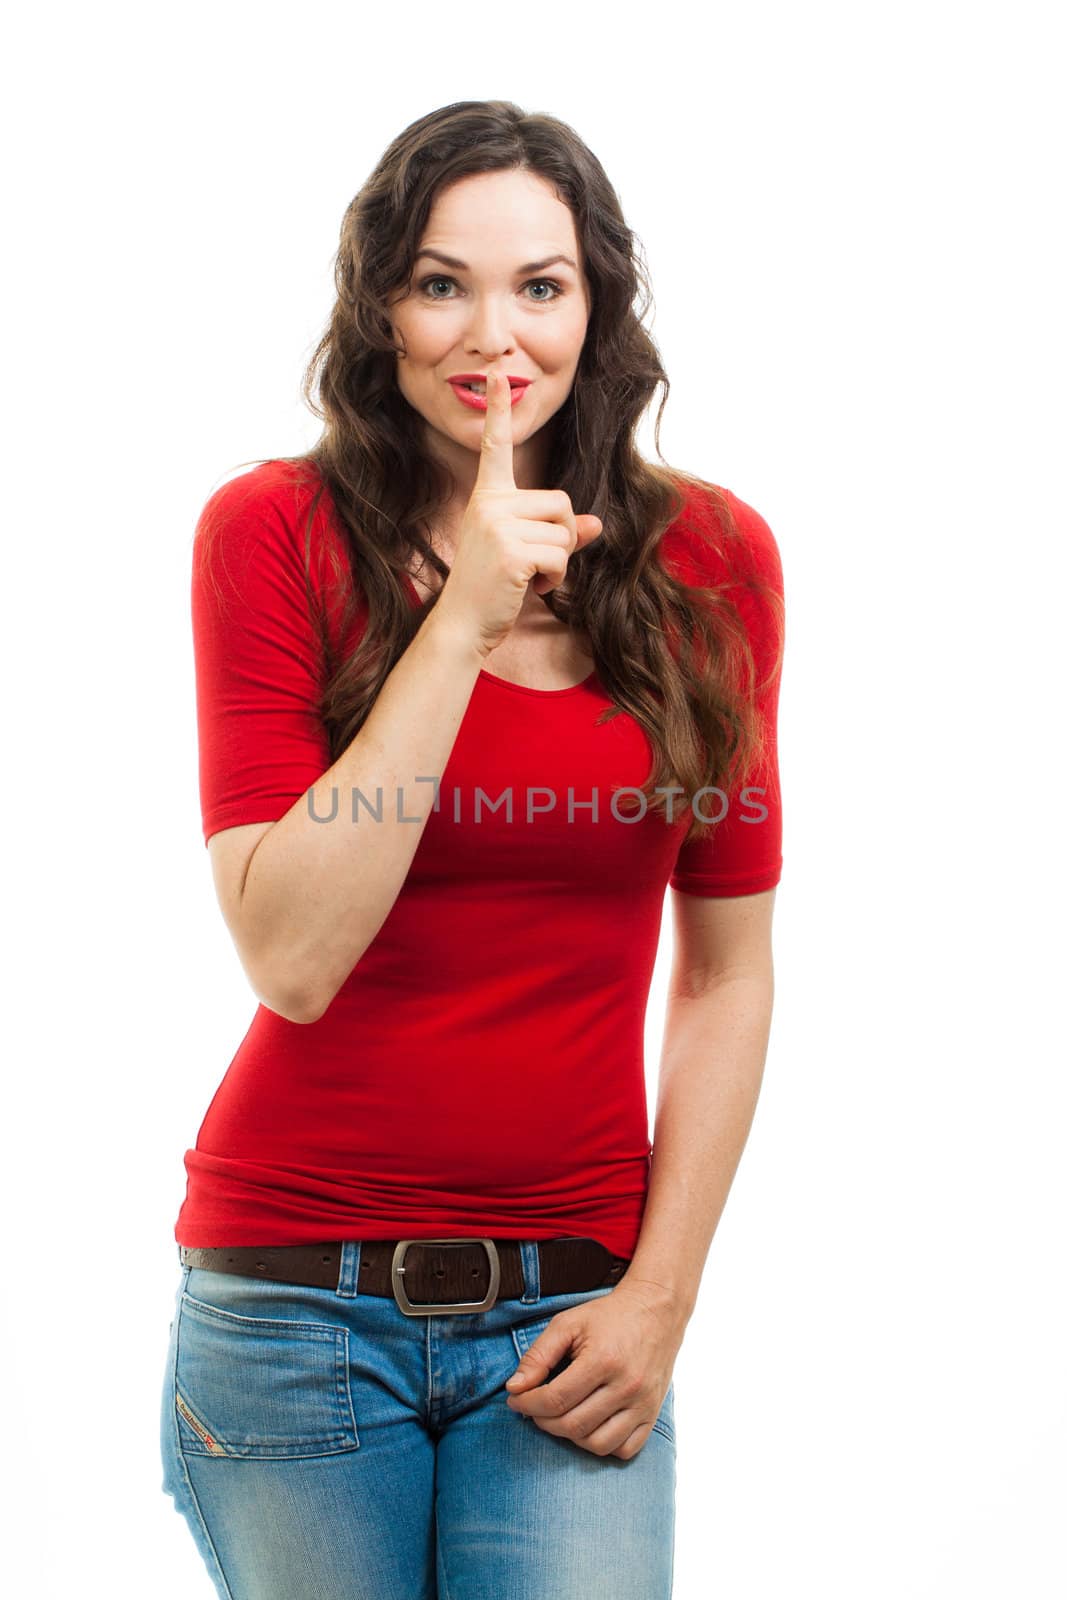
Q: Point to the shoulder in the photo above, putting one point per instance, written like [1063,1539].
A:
[270,495]
[719,538]
[260,519]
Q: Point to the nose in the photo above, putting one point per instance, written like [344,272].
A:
[487,333]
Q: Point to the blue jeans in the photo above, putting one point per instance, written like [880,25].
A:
[322,1445]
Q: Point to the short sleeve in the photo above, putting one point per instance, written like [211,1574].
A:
[742,853]
[262,743]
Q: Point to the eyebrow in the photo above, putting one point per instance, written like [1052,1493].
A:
[461,266]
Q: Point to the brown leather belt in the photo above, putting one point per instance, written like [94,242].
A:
[425,1275]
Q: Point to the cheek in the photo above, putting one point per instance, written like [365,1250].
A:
[561,344]
[427,339]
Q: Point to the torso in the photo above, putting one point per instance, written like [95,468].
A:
[540,652]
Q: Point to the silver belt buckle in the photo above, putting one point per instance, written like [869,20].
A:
[421,1309]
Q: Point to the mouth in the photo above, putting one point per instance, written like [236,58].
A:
[471,391]
[477,385]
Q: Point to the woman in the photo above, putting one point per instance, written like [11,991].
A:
[456,738]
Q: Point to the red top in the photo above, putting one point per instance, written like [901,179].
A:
[481,1071]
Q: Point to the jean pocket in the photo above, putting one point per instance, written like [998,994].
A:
[261,1386]
[528,1329]
[524,1334]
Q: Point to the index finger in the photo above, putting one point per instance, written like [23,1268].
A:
[496,467]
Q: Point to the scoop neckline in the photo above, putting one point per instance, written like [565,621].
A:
[506,683]
[525,688]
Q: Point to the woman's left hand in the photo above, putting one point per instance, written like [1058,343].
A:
[624,1346]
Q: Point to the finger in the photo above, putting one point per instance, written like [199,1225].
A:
[496,467]
[635,1443]
[598,1427]
[589,527]
[548,563]
[551,569]
[561,1391]
[541,1360]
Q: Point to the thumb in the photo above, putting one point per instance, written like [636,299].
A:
[588,528]
[545,1352]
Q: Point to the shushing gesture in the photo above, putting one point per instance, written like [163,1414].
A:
[509,537]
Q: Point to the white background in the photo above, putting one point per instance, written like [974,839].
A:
[851,217]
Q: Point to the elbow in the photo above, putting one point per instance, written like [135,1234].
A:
[287,1000]
[309,1008]
[283,979]
[296,1003]
[288,989]
[290,1007]
[690,982]
[299,1011]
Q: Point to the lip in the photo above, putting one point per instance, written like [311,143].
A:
[480,402]
[483,377]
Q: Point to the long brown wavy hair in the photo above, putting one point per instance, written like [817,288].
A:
[675,656]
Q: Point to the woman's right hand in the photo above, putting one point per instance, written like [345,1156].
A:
[508,537]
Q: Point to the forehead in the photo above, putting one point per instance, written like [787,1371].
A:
[490,215]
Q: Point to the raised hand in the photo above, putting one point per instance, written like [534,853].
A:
[509,537]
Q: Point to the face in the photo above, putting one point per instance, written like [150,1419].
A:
[459,318]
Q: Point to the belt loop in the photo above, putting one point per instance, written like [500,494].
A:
[348,1274]
[531,1270]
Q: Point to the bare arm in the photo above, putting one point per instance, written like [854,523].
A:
[719,1006]
[315,893]
[304,901]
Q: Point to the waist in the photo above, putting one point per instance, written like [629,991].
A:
[425,1275]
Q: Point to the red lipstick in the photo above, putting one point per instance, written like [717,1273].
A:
[480,402]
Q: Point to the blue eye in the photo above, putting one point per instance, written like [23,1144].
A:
[539,300]
[551,283]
